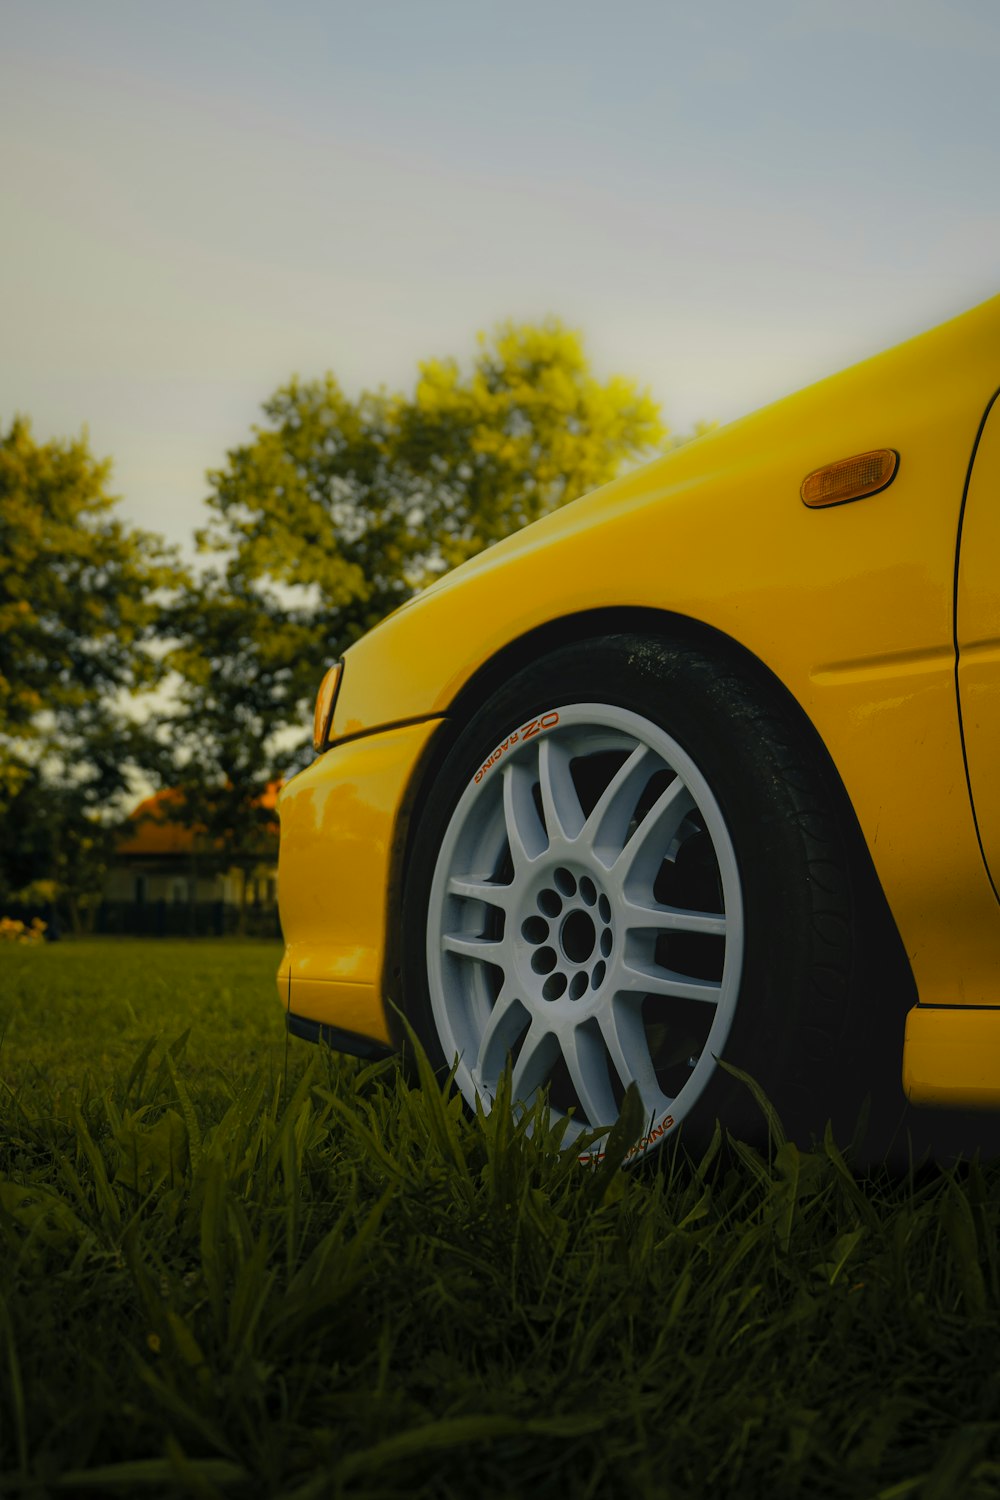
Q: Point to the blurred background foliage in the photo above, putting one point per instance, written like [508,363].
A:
[122,667]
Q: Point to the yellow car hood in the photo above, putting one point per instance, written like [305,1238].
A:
[716,531]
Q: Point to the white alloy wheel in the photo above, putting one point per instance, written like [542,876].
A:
[585,918]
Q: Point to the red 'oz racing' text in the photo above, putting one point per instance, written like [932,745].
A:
[526,732]
[666,1124]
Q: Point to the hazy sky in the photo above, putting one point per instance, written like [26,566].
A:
[729,199]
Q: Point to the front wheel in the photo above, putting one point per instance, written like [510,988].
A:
[627,870]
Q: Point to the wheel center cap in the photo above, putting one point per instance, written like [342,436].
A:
[577,937]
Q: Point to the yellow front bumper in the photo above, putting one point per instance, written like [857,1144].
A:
[343,823]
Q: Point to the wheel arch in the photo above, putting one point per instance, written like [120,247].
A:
[882,943]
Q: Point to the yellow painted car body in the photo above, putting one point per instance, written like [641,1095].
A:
[860,610]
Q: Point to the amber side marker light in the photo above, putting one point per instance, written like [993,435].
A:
[325,700]
[850,478]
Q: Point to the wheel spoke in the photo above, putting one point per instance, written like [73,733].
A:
[642,856]
[479,890]
[609,819]
[637,918]
[539,1051]
[625,1038]
[560,803]
[507,1021]
[586,1059]
[524,827]
[468,945]
[638,979]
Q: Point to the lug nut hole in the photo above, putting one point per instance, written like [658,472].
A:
[535,929]
[554,986]
[543,961]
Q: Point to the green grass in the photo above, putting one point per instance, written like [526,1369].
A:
[219,1279]
[76,1008]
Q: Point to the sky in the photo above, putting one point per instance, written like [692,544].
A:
[729,200]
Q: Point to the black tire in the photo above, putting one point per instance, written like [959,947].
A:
[795,1028]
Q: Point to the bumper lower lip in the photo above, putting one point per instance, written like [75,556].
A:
[336,1037]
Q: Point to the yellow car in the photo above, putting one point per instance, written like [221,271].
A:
[699,769]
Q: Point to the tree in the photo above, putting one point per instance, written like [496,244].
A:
[220,748]
[57,846]
[81,597]
[338,510]
[528,429]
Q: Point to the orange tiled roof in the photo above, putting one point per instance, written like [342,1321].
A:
[155,832]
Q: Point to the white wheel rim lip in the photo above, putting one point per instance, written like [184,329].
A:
[463,1007]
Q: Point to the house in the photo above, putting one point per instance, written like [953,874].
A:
[167,880]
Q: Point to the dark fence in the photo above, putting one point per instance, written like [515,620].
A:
[158,919]
[184,919]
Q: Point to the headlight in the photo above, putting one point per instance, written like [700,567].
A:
[325,700]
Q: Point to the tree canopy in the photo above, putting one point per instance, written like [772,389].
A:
[337,510]
[80,599]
